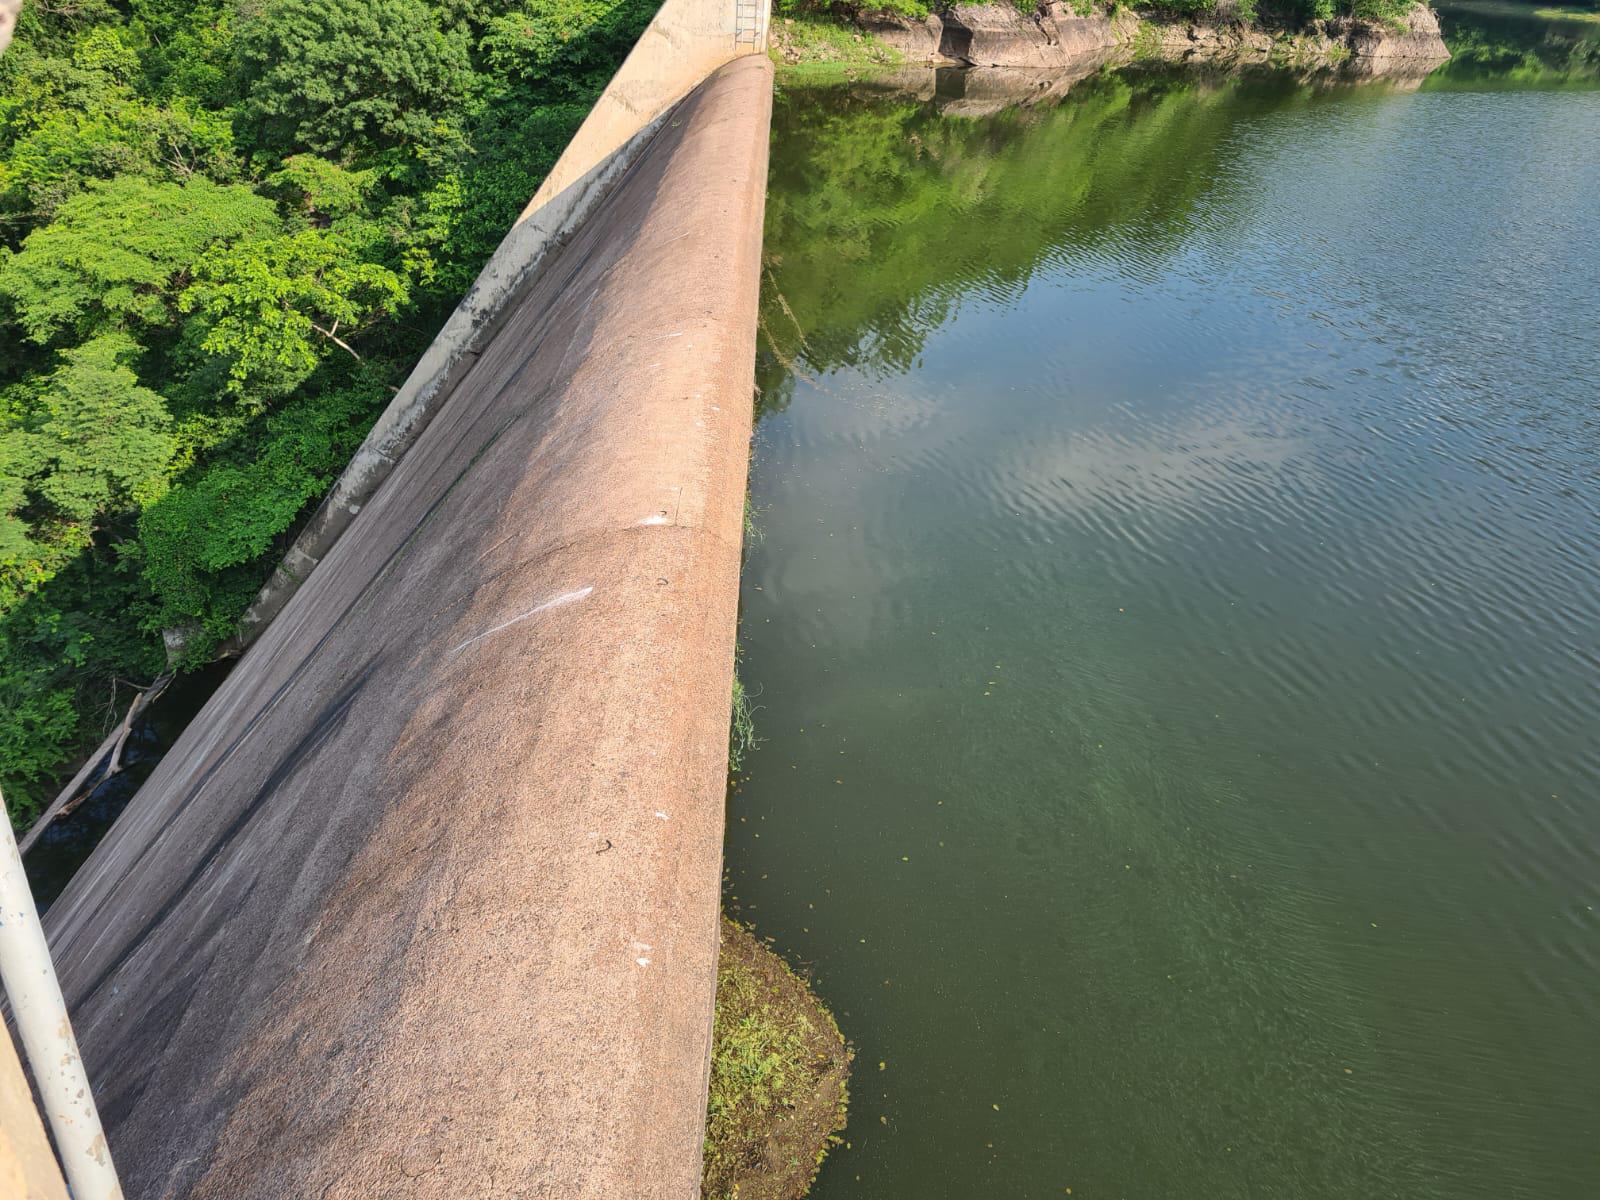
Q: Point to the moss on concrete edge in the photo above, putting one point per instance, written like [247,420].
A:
[780,1072]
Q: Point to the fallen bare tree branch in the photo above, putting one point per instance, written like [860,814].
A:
[93,773]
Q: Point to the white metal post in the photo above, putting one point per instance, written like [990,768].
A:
[40,1014]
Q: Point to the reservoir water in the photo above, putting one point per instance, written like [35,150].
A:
[1175,633]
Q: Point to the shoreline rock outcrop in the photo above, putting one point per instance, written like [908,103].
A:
[1055,36]
[1417,40]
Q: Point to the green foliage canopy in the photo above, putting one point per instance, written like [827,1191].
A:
[227,228]
[342,76]
[272,307]
[101,442]
[119,254]
[204,540]
[65,121]
[565,48]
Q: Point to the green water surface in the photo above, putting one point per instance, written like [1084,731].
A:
[1176,632]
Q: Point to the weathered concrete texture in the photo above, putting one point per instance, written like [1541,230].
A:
[28,1169]
[684,42]
[424,902]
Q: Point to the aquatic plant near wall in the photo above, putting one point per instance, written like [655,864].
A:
[780,1069]
[742,738]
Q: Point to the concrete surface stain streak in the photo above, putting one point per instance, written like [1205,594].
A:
[553,602]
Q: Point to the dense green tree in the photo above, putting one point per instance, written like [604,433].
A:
[227,228]
[62,647]
[51,26]
[321,191]
[100,442]
[461,219]
[185,48]
[343,76]
[203,539]
[273,308]
[120,135]
[565,48]
[16,535]
[120,254]
[94,446]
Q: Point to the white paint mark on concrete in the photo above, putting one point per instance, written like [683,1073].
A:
[553,602]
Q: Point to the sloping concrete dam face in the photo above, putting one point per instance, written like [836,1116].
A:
[425,901]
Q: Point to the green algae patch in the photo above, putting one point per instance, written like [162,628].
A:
[780,1072]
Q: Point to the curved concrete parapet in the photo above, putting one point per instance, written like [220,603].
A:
[685,42]
[424,902]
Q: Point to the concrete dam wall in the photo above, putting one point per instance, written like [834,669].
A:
[684,43]
[424,903]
